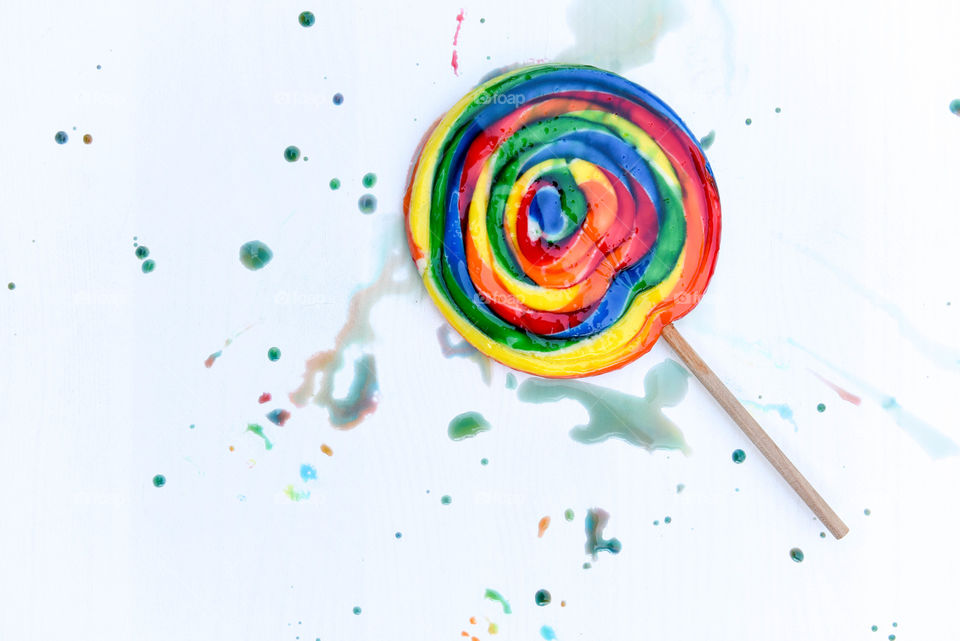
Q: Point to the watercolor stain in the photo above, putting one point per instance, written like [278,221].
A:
[511,381]
[568,514]
[467,425]
[635,420]
[308,472]
[255,255]
[594,525]
[296,495]
[357,610]
[782,409]
[463,349]
[326,449]
[446,499]
[493,595]
[257,429]
[338,98]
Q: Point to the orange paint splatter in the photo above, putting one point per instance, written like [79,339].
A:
[231,448]
[326,449]
[563,604]
[87,139]
[464,634]
[542,527]
[473,620]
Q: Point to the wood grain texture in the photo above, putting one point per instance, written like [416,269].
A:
[754,432]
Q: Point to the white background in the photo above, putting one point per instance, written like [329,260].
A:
[840,233]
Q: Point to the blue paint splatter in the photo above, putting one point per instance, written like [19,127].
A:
[308,472]
[547,633]
[782,409]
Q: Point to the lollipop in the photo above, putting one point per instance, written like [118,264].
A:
[562,217]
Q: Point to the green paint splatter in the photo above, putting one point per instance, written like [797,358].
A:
[493,595]
[446,499]
[594,524]
[511,381]
[61,137]
[568,514]
[258,430]
[369,180]
[955,107]
[273,354]
[367,203]
[334,184]
[821,407]
[484,461]
[147,266]
[307,19]
[635,420]
[739,456]
[707,141]
[777,110]
[542,597]
[796,554]
[587,565]
[141,252]
[255,255]
[356,609]
[295,495]
[159,480]
[873,628]
[467,425]
[749,121]
[291,153]
[11,286]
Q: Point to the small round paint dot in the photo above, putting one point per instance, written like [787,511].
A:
[87,139]
[98,67]
[273,354]
[823,535]
[894,624]
[873,628]
[11,286]
[255,255]
[777,110]
[367,203]
[369,180]
[356,609]
[398,535]
[739,456]
[568,514]
[667,519]
[446,499]
[796,554]
[338,98]
[148,266]
[749,121]
[291,153]
[193,426]
[542,597]
[866,512]
[483,461]
[587,566]
[892,637]
[657,522]
[307,19]
[334,184]
[482,20]
[955,107]
[141,252]
[61,137]
[159,480]
[821,407]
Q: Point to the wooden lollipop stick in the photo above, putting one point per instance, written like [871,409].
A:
[754,432]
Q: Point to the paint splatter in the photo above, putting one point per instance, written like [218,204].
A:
[680,487]
[955,107]
[739,456]
[148,266]
[467,425]
[454,62]
[278,417]
[212,358]
[464,349]
[398,535]
[367,204]
[866,512]
[159,480]
[11,286]
[87,139]
[307,19]
[707,141]
[296,495]
[635,420]
[547,633]
[748,121]
[796,554]
[258,430]
[493,595]
[782,409]
[255,255]
[667,520]
[619,34]
[264,398]
[141,252]
[274,354]
[291,153]
[61,137]
[308,472]
[542,526]
[842,393]
[338,98]
[369,180]
[484,461]
[511,381]
[361,399]
[594,524]
[357,609]
[326,449]
[873,628]
[446,499]
[334,184]
[542,597]
[568,514]
[821,407]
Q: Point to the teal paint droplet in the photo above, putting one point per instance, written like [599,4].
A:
[255,255]
[667,519]
[749,121]
[542,597]
[307,19]
[777,109]
[483,461]
[568,514]
[796,554]
[823,535]
[446,499]
[680,487]
[511,381]
[61,137]
[369,180]
[398,535]
[656,523]
[367,203]
[467,425]
[894,624]
[291,153]
[141,252]
[147,266]
[334,184]
[587,565]
[707,141]
[482,20]
[821,407]
[11,286]
[873,628]
[866,512]
[338,98]
[192,426]
[892,637]
[356,609]
[547,633]
[594,524]
[739,456]
[159,480]
[273,354]
[955,107]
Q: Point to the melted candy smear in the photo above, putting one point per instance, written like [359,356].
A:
[467,425]
[636,420]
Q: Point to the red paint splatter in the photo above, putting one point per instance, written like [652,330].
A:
[454,61]
[211,359]
[454,64]
[842,393]
[264,398]
[456,34]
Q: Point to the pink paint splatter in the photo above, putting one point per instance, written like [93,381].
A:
[264,398]
[456,34]
[454,62]
[842,393]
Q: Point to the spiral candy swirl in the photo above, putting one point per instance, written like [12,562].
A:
[560,216]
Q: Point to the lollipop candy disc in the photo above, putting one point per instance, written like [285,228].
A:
[560,216]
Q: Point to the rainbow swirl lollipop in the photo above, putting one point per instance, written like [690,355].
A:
[560,216]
